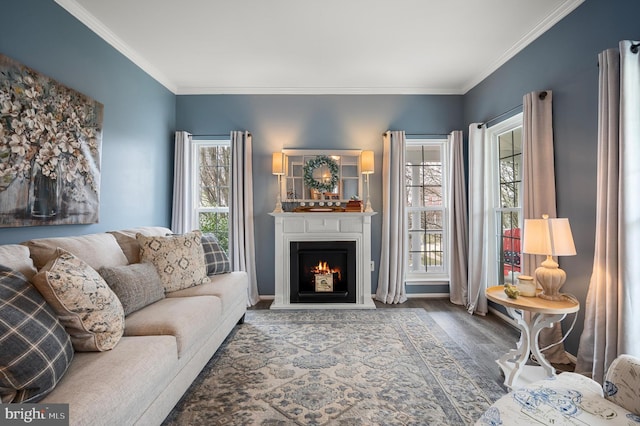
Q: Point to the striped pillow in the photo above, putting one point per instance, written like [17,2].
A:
[36,349]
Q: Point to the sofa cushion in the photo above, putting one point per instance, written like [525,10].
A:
[228,287]
[136,285]
[127,239]
[622,383]
[97,250]
[16,257]
[86,306]
[115,387]
[215,257]
[179,259]
[189,319]
[36,350]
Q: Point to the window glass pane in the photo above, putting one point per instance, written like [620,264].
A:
[426,251]
[216,223]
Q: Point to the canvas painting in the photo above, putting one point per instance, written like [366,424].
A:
[50,142]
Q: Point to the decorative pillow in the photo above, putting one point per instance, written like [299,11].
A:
[136,285]
[36,351]
[179,259]
[89,310]
[215,258]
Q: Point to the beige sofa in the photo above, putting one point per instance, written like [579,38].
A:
[573,399]
[165,344]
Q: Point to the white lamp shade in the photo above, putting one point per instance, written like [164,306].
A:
[277,163]
[366,162]
[548,237]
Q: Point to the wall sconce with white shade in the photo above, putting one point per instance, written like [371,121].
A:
[549,237]
[277,168]
[366,167]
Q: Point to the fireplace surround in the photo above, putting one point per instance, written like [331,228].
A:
[342,241]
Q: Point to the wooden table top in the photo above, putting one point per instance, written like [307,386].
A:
[532,304]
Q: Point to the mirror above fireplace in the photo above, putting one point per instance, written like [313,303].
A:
[320,177]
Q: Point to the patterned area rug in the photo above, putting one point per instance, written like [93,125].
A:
[334,367]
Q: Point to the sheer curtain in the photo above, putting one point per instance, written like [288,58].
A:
[391,287]
[481,237]
[182,216]
[610,328]
[458,289]
[539,187]
[242,244]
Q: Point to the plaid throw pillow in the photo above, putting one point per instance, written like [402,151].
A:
[36,349]
[215,258]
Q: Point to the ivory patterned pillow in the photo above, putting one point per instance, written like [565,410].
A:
[179,259]
[87,308]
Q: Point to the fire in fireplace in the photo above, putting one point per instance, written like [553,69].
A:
[323,271]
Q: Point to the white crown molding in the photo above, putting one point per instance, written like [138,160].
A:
[315,91]
[81,14]
[560,12]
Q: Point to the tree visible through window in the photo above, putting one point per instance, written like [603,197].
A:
[213,180]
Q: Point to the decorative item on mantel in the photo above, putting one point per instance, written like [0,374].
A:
[354,205]
[549,237]
[277,168]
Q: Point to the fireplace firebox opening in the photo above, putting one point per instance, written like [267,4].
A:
[323,272]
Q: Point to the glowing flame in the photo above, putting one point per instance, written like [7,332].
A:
[324,268]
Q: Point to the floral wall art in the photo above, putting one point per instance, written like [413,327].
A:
[50,141]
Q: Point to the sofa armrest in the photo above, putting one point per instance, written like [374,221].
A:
[622,383]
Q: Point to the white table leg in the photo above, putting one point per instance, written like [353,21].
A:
[519,356]
[514,361]
[541,321]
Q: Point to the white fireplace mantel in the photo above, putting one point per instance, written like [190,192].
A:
[319,226]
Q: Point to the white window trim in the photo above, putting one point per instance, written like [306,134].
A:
[195,178]
[443,277]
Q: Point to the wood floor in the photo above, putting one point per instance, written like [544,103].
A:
[483,338]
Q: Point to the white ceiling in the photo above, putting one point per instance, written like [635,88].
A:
[319,47]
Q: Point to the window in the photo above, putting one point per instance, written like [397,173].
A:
[506,139]
[213,180]
[427,202]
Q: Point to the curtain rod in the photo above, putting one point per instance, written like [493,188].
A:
[422,134]
[224,135]
[541,96]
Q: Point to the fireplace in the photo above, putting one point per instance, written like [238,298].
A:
[323,272]
[340,240]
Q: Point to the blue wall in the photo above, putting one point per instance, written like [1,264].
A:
[139,115]
[313,122]
[564,59]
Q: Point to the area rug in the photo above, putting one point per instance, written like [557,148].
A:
[338,367]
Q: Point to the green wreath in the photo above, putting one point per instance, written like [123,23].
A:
[311,165]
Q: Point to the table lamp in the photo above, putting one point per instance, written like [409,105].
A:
[277,168]
[366,167]
[549,237]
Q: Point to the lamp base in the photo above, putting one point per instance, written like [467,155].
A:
[551,278]
[278,208]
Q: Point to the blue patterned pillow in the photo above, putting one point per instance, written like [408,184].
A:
[36,349]
[215,257]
